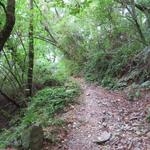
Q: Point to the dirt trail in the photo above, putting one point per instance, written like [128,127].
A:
[101,110]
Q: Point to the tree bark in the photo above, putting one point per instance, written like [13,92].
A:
[31,52]
[10,22]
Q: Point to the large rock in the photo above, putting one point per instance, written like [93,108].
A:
[32,138]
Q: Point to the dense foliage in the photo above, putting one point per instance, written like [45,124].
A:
[106,41]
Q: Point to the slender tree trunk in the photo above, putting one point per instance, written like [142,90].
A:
[134,16]
[31,51]
[140,32]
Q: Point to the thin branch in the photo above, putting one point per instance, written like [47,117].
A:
[47,23]
[46,40]
[11,69]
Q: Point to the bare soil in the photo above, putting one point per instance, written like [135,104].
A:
[100,110]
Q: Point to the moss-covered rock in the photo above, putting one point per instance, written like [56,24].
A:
[32,138]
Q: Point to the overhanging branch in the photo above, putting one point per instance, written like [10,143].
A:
[10,21]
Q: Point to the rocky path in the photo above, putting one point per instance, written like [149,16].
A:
[104,120]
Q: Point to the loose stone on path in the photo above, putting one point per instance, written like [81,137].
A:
[104,137]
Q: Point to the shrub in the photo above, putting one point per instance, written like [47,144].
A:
[41,110]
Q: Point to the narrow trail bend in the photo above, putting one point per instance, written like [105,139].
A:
[101,110]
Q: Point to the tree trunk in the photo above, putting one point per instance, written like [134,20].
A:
[134,16]
[31,52]
[10,22]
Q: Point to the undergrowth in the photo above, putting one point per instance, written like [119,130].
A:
[40,111]
[107,68]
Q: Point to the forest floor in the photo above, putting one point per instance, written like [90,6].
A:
[105,120]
